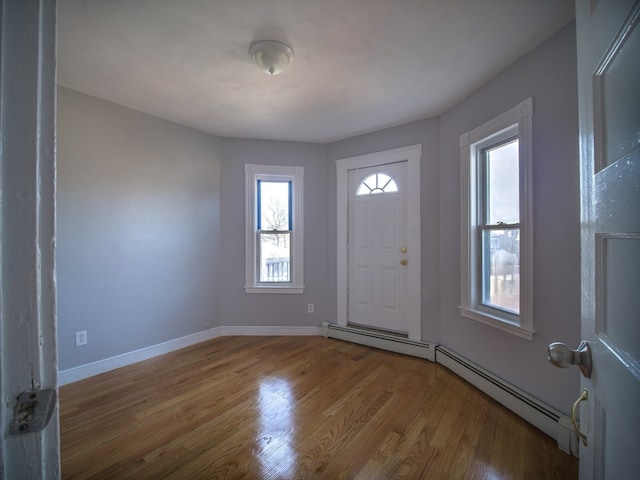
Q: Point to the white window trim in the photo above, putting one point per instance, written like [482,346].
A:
[253,173]
[516,121]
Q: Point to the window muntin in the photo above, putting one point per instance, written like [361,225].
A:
[497,227]
[274,229]
[377,183]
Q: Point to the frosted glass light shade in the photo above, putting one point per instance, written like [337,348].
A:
[270,56]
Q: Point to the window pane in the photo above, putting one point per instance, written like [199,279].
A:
[274,205]
[377,183]
[275,257]
[502,184]
[501,269]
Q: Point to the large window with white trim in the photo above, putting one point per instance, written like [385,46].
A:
[497,211]
[274,229]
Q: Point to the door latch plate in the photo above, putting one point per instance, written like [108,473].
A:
[33,411]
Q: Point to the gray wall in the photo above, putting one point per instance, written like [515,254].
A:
[238,308]
[548,74]
[151,242]
[138,229]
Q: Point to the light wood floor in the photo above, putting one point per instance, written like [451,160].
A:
[295,408]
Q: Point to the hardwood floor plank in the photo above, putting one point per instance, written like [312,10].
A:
[273,408]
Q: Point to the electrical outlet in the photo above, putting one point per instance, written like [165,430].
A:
[81,338]
[310,308]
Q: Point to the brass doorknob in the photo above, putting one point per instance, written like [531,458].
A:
[403,250]
[404,261]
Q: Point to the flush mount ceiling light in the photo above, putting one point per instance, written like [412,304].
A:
[270,56]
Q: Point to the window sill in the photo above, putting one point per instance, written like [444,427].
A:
[274,289]
[497,322]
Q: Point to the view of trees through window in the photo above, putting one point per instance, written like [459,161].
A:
[274,230]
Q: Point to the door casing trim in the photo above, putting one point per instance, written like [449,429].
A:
[412,155]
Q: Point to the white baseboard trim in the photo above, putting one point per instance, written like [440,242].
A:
[271,331]
[375,339]
[542,416]
[101,366]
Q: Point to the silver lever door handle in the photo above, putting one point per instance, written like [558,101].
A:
[562,356]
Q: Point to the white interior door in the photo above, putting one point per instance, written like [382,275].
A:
[378,253]
[609,99]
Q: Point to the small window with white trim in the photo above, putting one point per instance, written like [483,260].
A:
[497,211]
[274,229]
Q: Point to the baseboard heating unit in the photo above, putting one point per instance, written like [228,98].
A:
[545,418]
[542,416]
[381,340]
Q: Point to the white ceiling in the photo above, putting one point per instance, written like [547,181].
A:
[360,65]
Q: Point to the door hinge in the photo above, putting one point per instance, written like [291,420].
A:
[33,411]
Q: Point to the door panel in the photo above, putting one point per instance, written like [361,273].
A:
[362,290]
[377,233]
[609,98]
[619,257]
[390,217]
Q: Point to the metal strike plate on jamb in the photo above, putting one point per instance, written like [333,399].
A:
[33,411]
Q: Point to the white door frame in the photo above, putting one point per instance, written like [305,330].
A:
[411,155]
[28,358]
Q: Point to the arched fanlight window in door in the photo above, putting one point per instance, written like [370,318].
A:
[377,183]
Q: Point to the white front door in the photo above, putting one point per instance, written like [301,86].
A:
[378,253]
[609,99]
[373,287]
